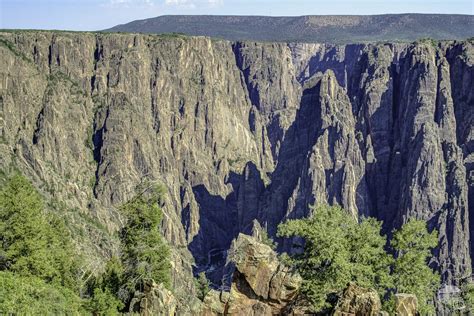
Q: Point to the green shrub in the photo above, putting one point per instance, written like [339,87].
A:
[337,250]
[202,285]
[104,302]
[145,253]
[22,295]
[413,244]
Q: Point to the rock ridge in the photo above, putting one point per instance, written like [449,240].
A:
[238,132]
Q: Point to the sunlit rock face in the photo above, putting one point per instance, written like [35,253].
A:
[238,132]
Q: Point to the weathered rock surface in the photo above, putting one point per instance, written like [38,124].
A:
[239,132]
[154,300]
[260,281]
[358,301]
[406,304]
[260,284]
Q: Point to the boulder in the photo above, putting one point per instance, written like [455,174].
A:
[406,304]
[358,301]
[260,284]
[154,300]
[214,303]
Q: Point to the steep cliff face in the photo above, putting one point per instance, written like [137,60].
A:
[238,132]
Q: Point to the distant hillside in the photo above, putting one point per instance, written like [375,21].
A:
[324,28]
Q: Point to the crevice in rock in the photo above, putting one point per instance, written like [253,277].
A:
[239,60]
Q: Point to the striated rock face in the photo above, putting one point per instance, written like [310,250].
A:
[358,301]
[260,284]
[154,300]
[406,304]
[239,132]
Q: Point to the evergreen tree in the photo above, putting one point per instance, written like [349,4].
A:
[339,249]
[467,294]
[104,289]
[324,263]
[38,269]
[29,295]
[145,253]
[370,263]
[104,302]
[33,243]
[413,244]
[202,285]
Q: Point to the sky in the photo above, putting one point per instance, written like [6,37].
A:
[89,15]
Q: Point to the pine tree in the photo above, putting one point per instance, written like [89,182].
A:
[202,285]
[339,249]
[413,244]
[38,267]
[33,243]
[324,263]
[145,253]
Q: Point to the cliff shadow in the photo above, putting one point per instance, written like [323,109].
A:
[298,142]
[222,219]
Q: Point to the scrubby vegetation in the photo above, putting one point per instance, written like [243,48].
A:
[339,249]
[39,271]
[144,255]
[202,285]
[37,263]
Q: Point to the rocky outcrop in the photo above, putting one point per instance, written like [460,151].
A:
[260,284]
[154,300]
[406,304]
[239,132]
[358,301]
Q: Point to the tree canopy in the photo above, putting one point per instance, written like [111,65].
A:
[145,253]
[36,253]
[412,245]
[338,248]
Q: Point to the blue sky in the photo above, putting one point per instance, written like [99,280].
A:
[101,14]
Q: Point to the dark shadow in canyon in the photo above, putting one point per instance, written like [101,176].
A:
[222,219]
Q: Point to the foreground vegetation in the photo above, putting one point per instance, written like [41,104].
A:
[339,249]
[40,273]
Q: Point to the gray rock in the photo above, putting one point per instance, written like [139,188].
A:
[239,132]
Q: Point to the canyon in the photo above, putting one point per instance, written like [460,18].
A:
[243,136]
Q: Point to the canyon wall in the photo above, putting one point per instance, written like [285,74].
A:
[238,132]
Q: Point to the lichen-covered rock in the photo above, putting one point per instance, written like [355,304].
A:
[261,285]
[154,300]
[358,301]
[406,304]
[214,303]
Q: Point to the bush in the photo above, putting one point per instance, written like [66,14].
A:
[337,250]
[413,244]
[202,286]
[104,302]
